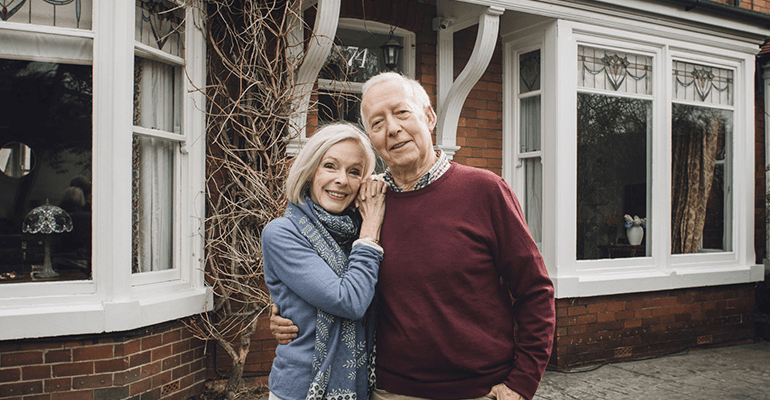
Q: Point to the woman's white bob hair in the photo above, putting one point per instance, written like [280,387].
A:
[305,164]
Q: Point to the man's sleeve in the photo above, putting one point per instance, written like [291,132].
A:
[522,267]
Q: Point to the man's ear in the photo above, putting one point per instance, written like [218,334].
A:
[430,115]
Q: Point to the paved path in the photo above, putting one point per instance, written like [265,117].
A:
[735,372]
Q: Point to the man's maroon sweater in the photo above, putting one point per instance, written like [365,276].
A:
[456,253]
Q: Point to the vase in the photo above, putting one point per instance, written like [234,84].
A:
[635,235]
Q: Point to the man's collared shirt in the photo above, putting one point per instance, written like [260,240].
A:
[438,169]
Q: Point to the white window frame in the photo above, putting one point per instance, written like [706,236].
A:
[660,270]
[115,299]
[515,174]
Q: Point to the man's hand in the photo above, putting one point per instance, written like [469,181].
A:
[283,329]
[502,392]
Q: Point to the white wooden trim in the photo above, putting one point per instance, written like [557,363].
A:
[145,51]
[450,108]
[321,42]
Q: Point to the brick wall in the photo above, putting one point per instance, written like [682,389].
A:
[594,330]
[760,201]
[160,362]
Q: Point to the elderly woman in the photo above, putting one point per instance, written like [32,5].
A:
[321,264]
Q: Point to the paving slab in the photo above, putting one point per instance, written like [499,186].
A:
[733,372]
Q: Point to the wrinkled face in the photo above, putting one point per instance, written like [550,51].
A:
[398,129]
[338,176]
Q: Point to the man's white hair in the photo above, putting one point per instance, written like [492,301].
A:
[414,91]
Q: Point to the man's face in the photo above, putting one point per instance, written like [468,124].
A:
[398,129]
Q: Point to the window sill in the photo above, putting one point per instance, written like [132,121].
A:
[597,284]
[54,319]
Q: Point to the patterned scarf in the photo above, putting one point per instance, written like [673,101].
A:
[342,355]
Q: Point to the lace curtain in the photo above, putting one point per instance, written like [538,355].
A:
[153,166]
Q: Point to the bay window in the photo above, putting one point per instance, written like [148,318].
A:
[103,119]
[632,129]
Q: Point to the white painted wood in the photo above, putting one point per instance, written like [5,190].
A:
[449,111]
[320,44]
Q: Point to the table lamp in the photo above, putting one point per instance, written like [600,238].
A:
[46,219]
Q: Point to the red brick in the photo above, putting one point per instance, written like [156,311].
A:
[10,375]
[604,317]
[43,396]
[173,336]
[21,358]
[93,381]
[79,395]
[161,379]
[20,388]
[587,319]
[73,369]
[33,372]
[140,359]
[141,386]
[128,348]
[633,323]
[113,365]
[151,342]
[93,352]
[126,377]
[58,385]
[161,352]
[57,356]
[151,369]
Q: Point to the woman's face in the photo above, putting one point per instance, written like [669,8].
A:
[338,176]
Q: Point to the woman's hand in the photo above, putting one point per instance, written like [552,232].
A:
[371,205]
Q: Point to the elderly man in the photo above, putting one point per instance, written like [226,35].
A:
[466,307]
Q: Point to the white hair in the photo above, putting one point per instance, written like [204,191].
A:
[304,167]
[414,91]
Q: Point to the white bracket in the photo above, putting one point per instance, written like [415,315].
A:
[452,95]
[320,45]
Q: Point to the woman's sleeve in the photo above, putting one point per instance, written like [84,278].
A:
[289,257]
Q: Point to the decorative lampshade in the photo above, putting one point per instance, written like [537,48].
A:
[391,51]
[47,219]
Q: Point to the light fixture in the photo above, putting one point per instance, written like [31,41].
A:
[46,219]
[391,51]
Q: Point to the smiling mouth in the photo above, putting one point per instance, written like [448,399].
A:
[398,146]
[337,195]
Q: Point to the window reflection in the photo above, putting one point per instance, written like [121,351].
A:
[48,107]
[612,173]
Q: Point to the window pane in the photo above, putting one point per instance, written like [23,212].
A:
[153,200]
[613,134]
[533,197]
[157,95]
[64,14]
[160,25]
[356,56]
[45,157]
[338,107]
[529,67]
[702,84]
[700,182]
[530,124]
[614,71]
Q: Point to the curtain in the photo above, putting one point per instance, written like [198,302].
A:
[693,160]
[153,167]
[533,168]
